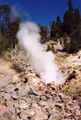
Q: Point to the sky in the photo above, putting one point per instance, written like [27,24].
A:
[40,11]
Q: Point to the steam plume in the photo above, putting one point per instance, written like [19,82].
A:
[14,14]
[42,61]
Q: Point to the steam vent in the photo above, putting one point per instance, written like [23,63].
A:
[40,60]
[24,95]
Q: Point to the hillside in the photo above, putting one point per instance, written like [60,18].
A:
[24,96]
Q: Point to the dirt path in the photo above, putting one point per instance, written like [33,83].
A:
[6,74]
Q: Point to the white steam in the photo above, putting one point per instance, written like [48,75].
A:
[42,61]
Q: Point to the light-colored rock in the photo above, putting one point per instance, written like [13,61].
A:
[15,79]
[24,114]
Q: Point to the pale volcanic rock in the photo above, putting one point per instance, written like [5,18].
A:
[24,90]
[6,116]
[39,115]
[23,104]
[73,106]
[24,114]
[6,96]
[15,79]
[3,109]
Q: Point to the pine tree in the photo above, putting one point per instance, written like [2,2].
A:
[52,32]
[13,27]
[69,21]
[8,29]
[70,5]
[43,33]
[77,17]
[58,28]
[72,27]
[6,17]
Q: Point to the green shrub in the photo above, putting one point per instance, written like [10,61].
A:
[3,44]
[51,48]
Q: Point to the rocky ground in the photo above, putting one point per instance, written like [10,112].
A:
[68,65]
[24,96]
